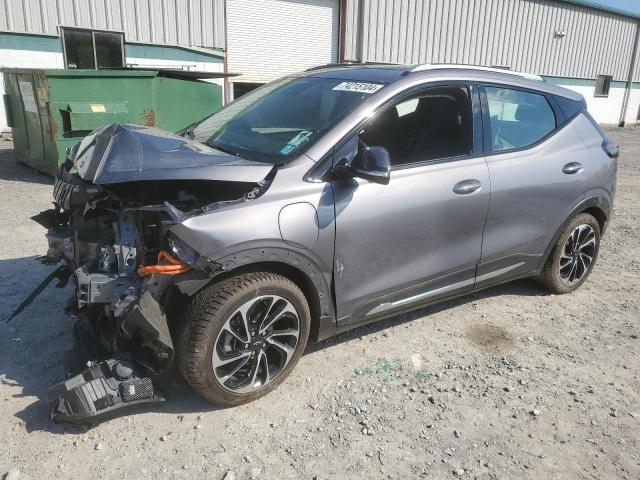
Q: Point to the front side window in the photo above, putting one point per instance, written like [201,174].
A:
[434,124]
[283,118]
[90,49]
[517,119]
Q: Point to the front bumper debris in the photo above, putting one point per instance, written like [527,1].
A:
[102,391]
[115,208]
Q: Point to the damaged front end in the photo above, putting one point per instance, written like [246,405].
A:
[116,199]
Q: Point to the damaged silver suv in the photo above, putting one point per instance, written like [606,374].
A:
[319,202]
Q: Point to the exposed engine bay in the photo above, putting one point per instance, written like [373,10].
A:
[116,198]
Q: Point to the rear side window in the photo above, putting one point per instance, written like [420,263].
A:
[517,119]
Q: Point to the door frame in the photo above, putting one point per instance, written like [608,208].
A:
[561,120]
[510,267]
[436,289]
[321,172]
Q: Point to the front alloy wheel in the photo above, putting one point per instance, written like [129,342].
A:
[256,343]
[241,337]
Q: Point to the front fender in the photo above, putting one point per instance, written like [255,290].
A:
[271,258]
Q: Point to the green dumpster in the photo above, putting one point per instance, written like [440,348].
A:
[50,110]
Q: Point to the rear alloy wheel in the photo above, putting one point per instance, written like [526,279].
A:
[240,338]
[577,254]
[573,256]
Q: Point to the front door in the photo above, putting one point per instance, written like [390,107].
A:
[418,238]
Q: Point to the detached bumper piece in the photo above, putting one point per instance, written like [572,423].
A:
[104,390]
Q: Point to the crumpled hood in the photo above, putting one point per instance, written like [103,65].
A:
[131,153]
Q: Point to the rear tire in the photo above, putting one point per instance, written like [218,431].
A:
[240,338]
[573,255]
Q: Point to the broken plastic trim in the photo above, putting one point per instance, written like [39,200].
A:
[100,392]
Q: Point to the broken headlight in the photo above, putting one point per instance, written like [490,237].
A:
[181,250]
[70,156]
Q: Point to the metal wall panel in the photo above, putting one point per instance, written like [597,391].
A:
[272,38]
[192,23]
[520,34]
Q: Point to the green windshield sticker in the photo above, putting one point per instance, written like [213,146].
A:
[287,149]
[295,142]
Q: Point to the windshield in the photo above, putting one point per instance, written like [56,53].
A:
[283,118]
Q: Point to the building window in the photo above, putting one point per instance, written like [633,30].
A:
[242,88]
[92,49]
[602,85]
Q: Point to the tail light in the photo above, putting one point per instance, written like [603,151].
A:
[612,149]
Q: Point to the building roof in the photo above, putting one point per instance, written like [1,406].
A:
[605,8]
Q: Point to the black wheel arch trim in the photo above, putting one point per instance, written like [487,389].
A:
[599,202]
[288,262]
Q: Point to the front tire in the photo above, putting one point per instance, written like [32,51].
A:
[240,338]
[573,255]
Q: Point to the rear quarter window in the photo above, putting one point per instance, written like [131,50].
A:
[569,107]
[517,119]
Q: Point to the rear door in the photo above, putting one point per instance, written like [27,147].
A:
[536,164]
[418,238]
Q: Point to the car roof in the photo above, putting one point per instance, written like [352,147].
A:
[363,72]
[391,73]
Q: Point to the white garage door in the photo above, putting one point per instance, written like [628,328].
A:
[267,39]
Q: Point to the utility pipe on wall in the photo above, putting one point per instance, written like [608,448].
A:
[360,38]
[632,68]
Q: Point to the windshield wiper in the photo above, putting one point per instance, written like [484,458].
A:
[224,149]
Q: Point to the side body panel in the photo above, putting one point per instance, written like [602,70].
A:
[602,170]
[292,223]
[403,240]
[397,243]
[531,197]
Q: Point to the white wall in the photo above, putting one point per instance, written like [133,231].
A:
[24,59]
[607,109]
[267,39]
[634,107]
[34,59]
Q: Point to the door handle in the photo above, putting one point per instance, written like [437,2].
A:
[465,187]
[572,168]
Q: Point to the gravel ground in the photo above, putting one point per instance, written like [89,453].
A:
[510,382]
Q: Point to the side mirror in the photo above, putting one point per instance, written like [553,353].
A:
[372,164]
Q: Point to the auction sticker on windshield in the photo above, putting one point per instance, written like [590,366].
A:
[359,87]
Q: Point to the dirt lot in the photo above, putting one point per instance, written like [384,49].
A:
[508,383]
